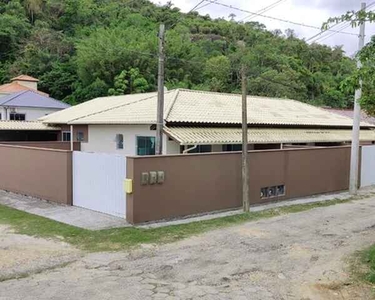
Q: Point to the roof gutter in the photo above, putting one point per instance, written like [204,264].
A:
[189,149]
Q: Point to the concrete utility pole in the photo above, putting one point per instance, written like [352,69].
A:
[354,159]
[245,170]
[160,107]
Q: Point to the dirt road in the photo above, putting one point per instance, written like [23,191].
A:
[298,256]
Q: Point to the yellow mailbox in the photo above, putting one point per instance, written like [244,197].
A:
[128,186]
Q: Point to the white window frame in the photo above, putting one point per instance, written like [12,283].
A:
[143,136]
[117,139]
[62,136]
[83,136]
[17,113]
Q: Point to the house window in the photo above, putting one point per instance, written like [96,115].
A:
[80,136]
[65,136]
[17,117]
[232,147]
[119,141]
[145,145]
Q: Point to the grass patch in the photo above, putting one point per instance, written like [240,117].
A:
[124,238]
[363,265]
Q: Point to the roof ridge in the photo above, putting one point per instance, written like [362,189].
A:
[169,109]
[115,107]
[235,94]
[17,94]
[50,98]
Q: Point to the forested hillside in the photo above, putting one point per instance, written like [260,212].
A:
[81,49]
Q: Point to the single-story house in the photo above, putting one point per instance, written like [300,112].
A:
[25,102]
[200,121]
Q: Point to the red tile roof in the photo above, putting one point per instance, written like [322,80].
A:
[15,87]
[25,78]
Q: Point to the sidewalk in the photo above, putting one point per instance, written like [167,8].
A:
[71,215]
[92,220]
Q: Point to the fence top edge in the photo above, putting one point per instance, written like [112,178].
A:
[33,148]
[238,152]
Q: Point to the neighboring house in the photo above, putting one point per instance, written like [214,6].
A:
[199,121]
[19,84]
[28,105]
[20,100]
[350,113]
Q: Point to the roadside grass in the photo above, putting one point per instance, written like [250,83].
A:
[363,265]
[125,238]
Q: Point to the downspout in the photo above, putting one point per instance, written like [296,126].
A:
[6,113]
[71,138]
[189,149]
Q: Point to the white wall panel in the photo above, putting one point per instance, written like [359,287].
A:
[368,166]
[98,180]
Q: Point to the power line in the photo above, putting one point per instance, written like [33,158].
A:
[263,10]
[199,3]
[321,39]
[206,4]
[324,31]
[274,18]
[319,33]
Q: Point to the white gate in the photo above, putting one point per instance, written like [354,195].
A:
[368,166]
[98,182]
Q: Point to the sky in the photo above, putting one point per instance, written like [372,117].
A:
[310,12]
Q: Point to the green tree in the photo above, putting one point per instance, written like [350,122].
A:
[218,70]
[129,82]
[366,73]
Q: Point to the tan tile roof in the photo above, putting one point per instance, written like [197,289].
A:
[15,87]
[124,109]
[25,125]
[25,78]
[198,107]
[210,136]
[207,107]
[142,111]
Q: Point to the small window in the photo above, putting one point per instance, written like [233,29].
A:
[280,190]
[263,193]
[145,145]
[66,136]
[17,117]
[80,136]
[119,141]
[271,192]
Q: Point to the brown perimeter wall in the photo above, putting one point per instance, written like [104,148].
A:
[42,173]
[47,145]
[199,183]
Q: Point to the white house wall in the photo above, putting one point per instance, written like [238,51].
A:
[31,113]
[170,147]
[102,138]
[2,112]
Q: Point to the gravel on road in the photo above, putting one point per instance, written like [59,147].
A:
[298,256]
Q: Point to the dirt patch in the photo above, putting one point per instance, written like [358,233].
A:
[21,255]
[337,291]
